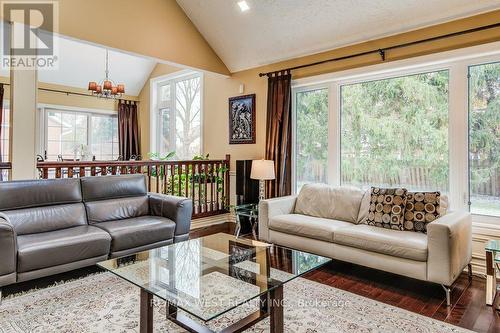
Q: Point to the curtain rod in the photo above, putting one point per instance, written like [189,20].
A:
[72,93]
[382,51]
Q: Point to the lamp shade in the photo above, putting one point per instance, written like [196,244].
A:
[262,170]
[107,85]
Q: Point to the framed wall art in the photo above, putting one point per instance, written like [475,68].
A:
[242,119]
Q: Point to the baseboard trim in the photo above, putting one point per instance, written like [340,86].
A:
[211,220]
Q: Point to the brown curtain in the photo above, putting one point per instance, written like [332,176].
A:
[128,130]
[279,133]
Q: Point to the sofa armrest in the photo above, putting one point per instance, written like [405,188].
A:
[272,207]
[450,247]
[8,248]
[178,209]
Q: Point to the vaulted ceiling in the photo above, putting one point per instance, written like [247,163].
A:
[275,30]
[79,63]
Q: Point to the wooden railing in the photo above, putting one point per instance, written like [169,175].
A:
[5,168]
[206,182]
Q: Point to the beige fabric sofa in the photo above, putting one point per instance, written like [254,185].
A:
[329,221]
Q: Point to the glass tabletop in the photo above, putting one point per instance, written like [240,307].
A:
[250,210]
[209,276]
[492,245]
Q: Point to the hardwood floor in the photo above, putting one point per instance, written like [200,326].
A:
[468,308]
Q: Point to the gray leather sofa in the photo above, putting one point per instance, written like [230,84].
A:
[329,221]
[52,226]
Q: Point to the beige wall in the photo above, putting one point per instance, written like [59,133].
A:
[23,96]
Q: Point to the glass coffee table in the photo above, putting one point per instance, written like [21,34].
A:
[201,279]
[492,249]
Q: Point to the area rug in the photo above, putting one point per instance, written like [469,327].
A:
[104,303]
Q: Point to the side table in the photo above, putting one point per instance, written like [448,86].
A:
[248,210]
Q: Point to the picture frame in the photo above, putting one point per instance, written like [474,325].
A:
[242,119]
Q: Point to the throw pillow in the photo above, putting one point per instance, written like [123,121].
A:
[387,208]
[421,209]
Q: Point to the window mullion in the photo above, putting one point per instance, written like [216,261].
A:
[334,134]
[458,136]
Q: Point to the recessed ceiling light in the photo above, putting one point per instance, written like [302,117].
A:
[243,5]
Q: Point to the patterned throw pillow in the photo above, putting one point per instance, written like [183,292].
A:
[421,209]
[387,208]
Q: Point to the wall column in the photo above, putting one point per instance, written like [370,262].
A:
[23,114]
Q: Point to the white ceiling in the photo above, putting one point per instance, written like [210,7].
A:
[80,63]
[275,30]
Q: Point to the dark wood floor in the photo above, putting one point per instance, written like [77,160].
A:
[468,308]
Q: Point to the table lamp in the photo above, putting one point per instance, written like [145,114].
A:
[262,170]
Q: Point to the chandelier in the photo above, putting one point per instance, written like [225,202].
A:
[106,88]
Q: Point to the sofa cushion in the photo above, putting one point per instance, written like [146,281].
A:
[387,207]
[109,187]
[36,251]
[443,205]
[36,193]
[46,218]
[402,244]
[337,203]
[116,209]
[364,208]
[307,226]
[139,231]
[421,209]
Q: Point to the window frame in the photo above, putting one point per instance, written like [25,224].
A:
[457,62]
[6,105]
[156,106]
[42,128]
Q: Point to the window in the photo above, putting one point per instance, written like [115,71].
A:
[178,116]
[4,139]
[426,123]
[71,134]
[484,138]
[311,131]
[394,132]
[104,137]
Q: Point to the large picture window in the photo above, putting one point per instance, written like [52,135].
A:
[394,132]
[430,123]
[69,133]
[178,116]
[484,138]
